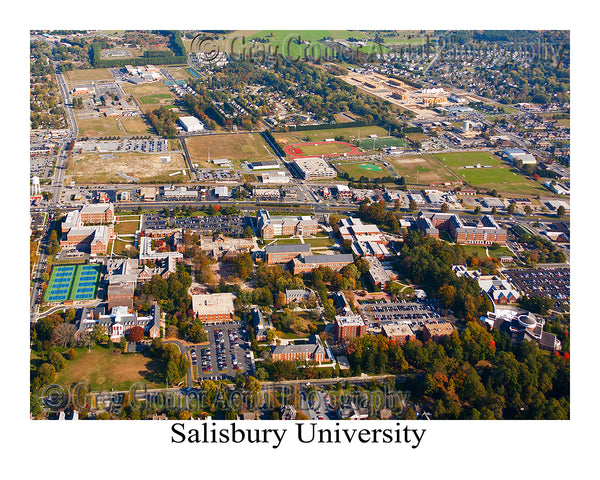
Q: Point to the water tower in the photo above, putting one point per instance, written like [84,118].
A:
[35,186]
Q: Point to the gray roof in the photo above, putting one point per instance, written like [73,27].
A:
[344,257]
[287,248]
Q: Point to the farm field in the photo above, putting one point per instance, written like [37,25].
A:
[104,371]
[88,75]
[348,134]
[125,167]
[238,148]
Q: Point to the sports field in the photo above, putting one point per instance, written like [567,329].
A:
[420,169]
[500,176]
[377,143]
[237,147]
[347,134]
[316,149]
[73,282]
[126,167]
[463,159]
[150,96]
[357,170]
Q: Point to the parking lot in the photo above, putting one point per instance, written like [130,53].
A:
[554,282]
[228,225]
[414,312]
[218,175]
[228,352]
[152,145]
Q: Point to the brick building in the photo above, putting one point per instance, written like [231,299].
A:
[349,326]
[398,333]
[285,253]
[308,263]
[435,331]
[214,307]
[98,213]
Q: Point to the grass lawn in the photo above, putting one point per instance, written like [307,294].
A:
[127,227]
[135,126]
[349,133]
[98,168]
[319,242]
[104,371]
[287,241]
[478,251]
[121,247]
[238,148]
[100,127]
[88,75]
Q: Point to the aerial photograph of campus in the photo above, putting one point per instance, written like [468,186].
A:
[299,225]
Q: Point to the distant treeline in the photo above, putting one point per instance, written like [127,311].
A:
[330,126]
[175,56]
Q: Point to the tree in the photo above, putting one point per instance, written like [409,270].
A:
[248,232]
[136,334]
[413,206]
[560,212]
[45,373]
[511,208]
[528,210]
[444,208]
[477,210]
[57,360]
[63,334]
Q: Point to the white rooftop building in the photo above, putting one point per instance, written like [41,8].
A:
[191,124]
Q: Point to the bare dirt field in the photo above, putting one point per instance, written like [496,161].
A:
[125,168]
